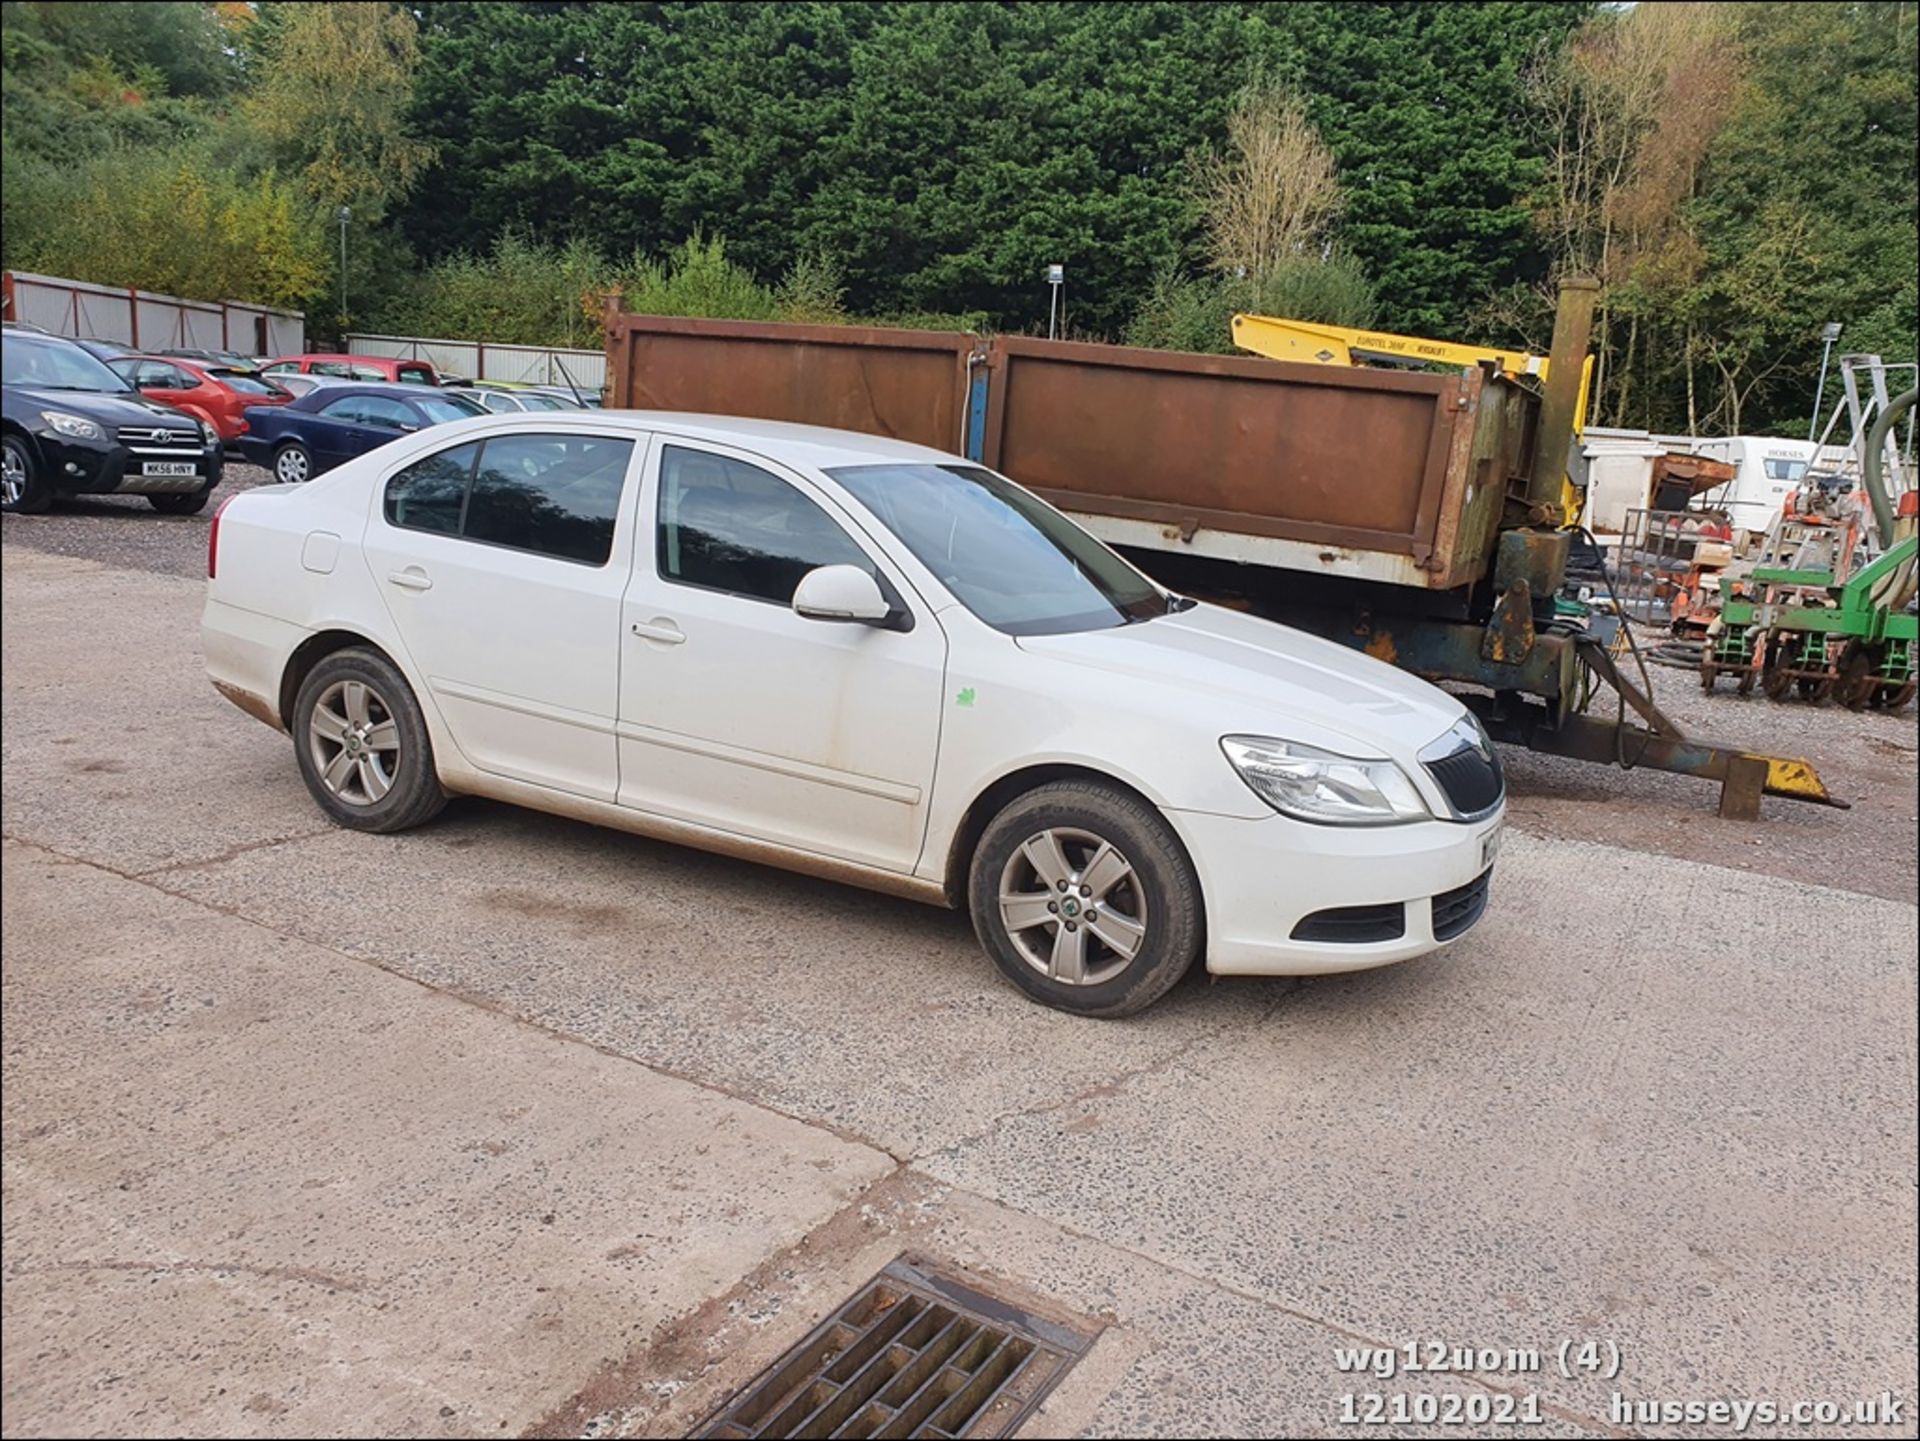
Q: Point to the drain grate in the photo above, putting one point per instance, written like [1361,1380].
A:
[913,1353]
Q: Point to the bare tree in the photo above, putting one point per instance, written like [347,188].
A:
[1631,105]
[1272,193]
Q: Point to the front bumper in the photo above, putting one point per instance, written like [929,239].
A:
[1263,878]
[109,467]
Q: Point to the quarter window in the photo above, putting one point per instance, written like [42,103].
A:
[729,526]
[556,495]
[429,494]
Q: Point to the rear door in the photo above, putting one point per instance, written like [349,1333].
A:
[502,562]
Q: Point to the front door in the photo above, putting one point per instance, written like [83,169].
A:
[738,714]
[502,562]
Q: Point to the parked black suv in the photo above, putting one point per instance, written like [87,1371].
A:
[70,426]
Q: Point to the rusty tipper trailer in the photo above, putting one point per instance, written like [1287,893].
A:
[1410,514]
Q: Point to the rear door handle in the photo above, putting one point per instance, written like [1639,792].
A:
[659,629]
[412,578]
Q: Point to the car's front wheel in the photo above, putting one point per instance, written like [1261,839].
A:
[1085,898]
[362,744]
[292,464]
[191,502]
[22,489]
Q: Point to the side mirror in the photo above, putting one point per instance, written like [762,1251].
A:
[840,592]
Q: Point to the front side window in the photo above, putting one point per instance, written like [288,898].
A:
[729,526]
[554,495]
[1015,562]
[340,369]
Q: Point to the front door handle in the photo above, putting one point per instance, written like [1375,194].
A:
[412,578]
[659,629]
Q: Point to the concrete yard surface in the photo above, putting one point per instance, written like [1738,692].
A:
[514,1126]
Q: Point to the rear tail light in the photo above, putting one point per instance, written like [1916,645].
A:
[213,536]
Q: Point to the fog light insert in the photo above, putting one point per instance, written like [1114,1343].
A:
[1354,925]
[912,1353]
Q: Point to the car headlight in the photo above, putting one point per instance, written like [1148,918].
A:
[1317,785]
[208,433]
[77,426]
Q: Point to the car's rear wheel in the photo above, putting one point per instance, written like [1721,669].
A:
[23,491]
[191,502]
[292,464]
[1085,899]
[362,744]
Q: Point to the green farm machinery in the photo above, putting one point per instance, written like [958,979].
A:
[1824,633]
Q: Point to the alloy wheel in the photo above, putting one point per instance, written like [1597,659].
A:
[1073,906]
[290,466]
[13,475]
[354,742]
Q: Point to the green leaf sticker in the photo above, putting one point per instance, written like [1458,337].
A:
[965,697]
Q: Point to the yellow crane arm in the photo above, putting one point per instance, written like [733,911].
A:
[1315,344]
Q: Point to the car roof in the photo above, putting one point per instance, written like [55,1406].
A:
[327,394]
[818,446]
[358,359]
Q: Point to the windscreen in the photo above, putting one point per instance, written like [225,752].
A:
[1011,559]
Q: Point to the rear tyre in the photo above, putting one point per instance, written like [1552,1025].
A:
[1085,900]
[292,464]
[23,490]
[362,744]
[191,503]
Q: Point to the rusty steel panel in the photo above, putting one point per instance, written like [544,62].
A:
[1356,458]
[907,384]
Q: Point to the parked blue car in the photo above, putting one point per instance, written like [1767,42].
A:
[335,423]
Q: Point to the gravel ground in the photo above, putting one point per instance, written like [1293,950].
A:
[125,530]
[1866,758]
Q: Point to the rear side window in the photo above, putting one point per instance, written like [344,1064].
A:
[726,525]
[415,375]
[346,409]
[555,495]
[428,494]
[389,414]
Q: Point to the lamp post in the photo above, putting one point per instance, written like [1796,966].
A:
[1829,333]
[1056,277]
[343,215]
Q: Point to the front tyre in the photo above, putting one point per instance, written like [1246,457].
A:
[362,744]
[191,503]
[23,490]
[1085,899]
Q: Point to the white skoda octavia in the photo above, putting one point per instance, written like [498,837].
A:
[860,658]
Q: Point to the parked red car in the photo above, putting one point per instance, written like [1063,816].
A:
[355,367]
[216,394]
